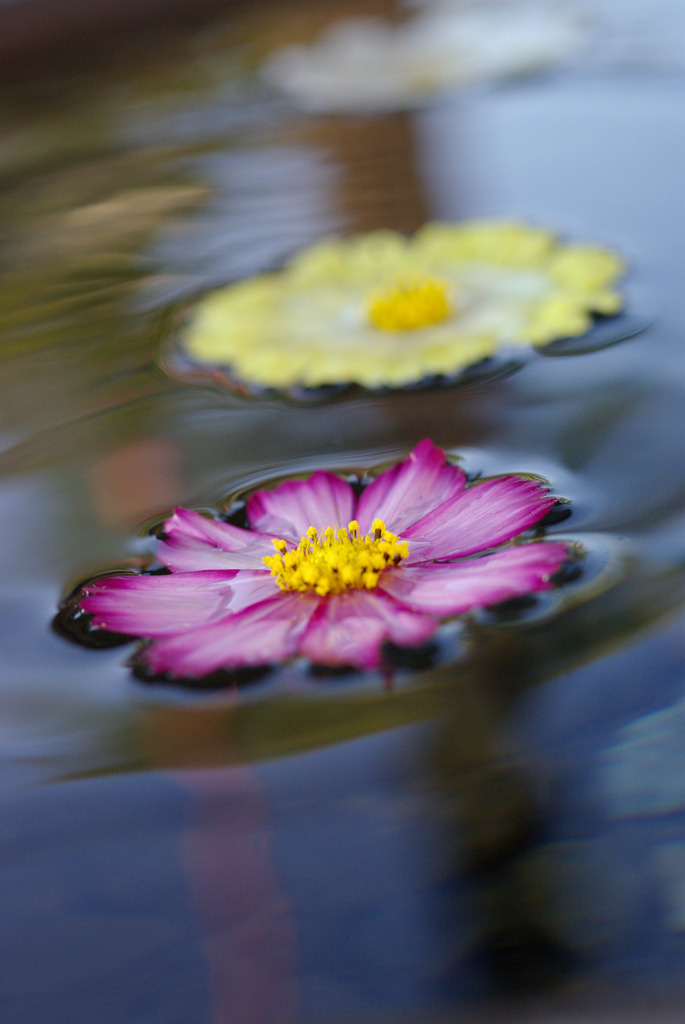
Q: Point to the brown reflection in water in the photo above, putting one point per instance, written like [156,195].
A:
[249,932]
[49,38]
[247,926]
[375,156]
[272,24]
[110,219]
[488,801]
[133,481]
[494,818]
[184,738]
[376,160]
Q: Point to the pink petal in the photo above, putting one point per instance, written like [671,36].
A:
[259,635]
[292,507]
[476,582]
[409,490]
[251,586]
[196,542]
[350,628]
[158,605]
[483,516]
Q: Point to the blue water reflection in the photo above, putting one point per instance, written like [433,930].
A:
[603,749]
[323,851]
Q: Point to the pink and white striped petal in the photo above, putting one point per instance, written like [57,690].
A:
[408,491]
[350,629]
[261,634]
[292,507]
[250,587]
[476,582]
[196,542]
[158,605]
[484,516]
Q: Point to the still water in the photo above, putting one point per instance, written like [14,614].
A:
[501,836]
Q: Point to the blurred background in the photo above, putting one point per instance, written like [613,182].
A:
[500,837]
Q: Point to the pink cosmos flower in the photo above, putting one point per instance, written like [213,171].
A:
[330,575]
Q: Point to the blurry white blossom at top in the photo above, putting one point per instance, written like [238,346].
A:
[638,36]
[368,65]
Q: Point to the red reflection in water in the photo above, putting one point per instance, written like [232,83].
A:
[250,935]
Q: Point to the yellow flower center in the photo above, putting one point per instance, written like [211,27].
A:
[336,562]
[410,305]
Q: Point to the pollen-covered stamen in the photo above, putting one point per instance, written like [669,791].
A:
[410,305]
[335,562]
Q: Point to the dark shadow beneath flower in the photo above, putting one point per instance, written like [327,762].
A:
[514,610]
[529,608]
[521,958]
[76,625]
[569,572]
[221,679]
[560,511]
[414,659]
[176,363]
[606,331]
[332,673]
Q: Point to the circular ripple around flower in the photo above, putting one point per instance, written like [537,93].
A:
[381,310]
[332,573]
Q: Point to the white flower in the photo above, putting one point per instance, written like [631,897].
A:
[641,35]
[366,64]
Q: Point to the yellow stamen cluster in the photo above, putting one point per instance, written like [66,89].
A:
[336,561]
[410,305]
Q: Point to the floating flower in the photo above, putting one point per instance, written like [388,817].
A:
[381,309]
[366,64]
[329,574]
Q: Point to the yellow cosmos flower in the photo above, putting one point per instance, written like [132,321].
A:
[384,310]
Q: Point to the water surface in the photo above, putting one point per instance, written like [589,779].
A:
[321,850]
